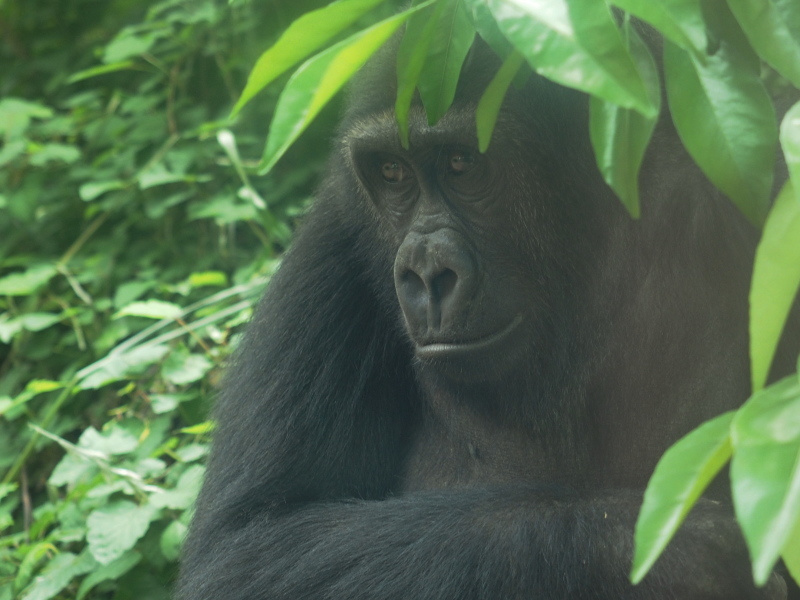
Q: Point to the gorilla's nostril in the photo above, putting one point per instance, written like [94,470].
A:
[443,285]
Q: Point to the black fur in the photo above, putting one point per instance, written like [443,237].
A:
[348,465]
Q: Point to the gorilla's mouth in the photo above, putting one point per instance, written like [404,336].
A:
[456,350]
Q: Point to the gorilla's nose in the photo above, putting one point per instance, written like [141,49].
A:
[435,278]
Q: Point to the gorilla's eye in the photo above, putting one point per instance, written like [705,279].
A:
[461,162]
[392,171]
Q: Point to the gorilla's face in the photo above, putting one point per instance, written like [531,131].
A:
[471,235]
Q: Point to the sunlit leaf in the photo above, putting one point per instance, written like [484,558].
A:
[543,32]
[620,136]
[302,38]
[725,118]
[765,471]
[773,28]
[776,278]
[790,143]
[492,99]
[316,81]
[452,40]
[680,477]
[680,21]
[152,309]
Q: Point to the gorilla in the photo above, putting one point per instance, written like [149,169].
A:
[461,378]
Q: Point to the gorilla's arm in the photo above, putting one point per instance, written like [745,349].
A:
[297,501]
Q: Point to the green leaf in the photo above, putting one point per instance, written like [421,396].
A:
[110,572]
[680,21]
[451,42]
[726,121]
[773,28]
[57,575]
[307,34]
[790,143]
[487,28]
[776,278]
[185,492]
[27,282]
[152,309]
[172,540]
[112,530]
[680,477]
[16,115]
[101,70]
[620,136]
[316,81]
[492,99]
[411,56]
[95,189]
[588,56]
[791,552]
[116,366]
[181,367]
[765,471]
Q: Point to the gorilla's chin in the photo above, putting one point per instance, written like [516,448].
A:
[484,359]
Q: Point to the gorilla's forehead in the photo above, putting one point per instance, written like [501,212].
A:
[379,130]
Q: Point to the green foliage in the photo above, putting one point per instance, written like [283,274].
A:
[132,246]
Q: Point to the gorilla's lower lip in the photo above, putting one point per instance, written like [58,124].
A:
[494,341]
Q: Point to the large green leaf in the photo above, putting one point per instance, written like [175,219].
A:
[776,278]
[773,28]
[303,37]
[765,472]
[452,40]
[620,136]
[680,477]
[587,56]
[411,57]
[316,81]
[790,142]
[492,99]
[487,28]
[725,119]
[680,21]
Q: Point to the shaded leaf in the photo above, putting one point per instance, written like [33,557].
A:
[57,575]
[776,278]
[296,43]
[111,571]
[411,57]
[680,477]
[765,471]
[773,28]
[451,42]
[492,99]
[726,121]
[620,136]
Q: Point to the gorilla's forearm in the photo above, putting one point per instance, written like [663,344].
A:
[464,545]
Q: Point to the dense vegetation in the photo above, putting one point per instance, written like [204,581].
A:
[132,245]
